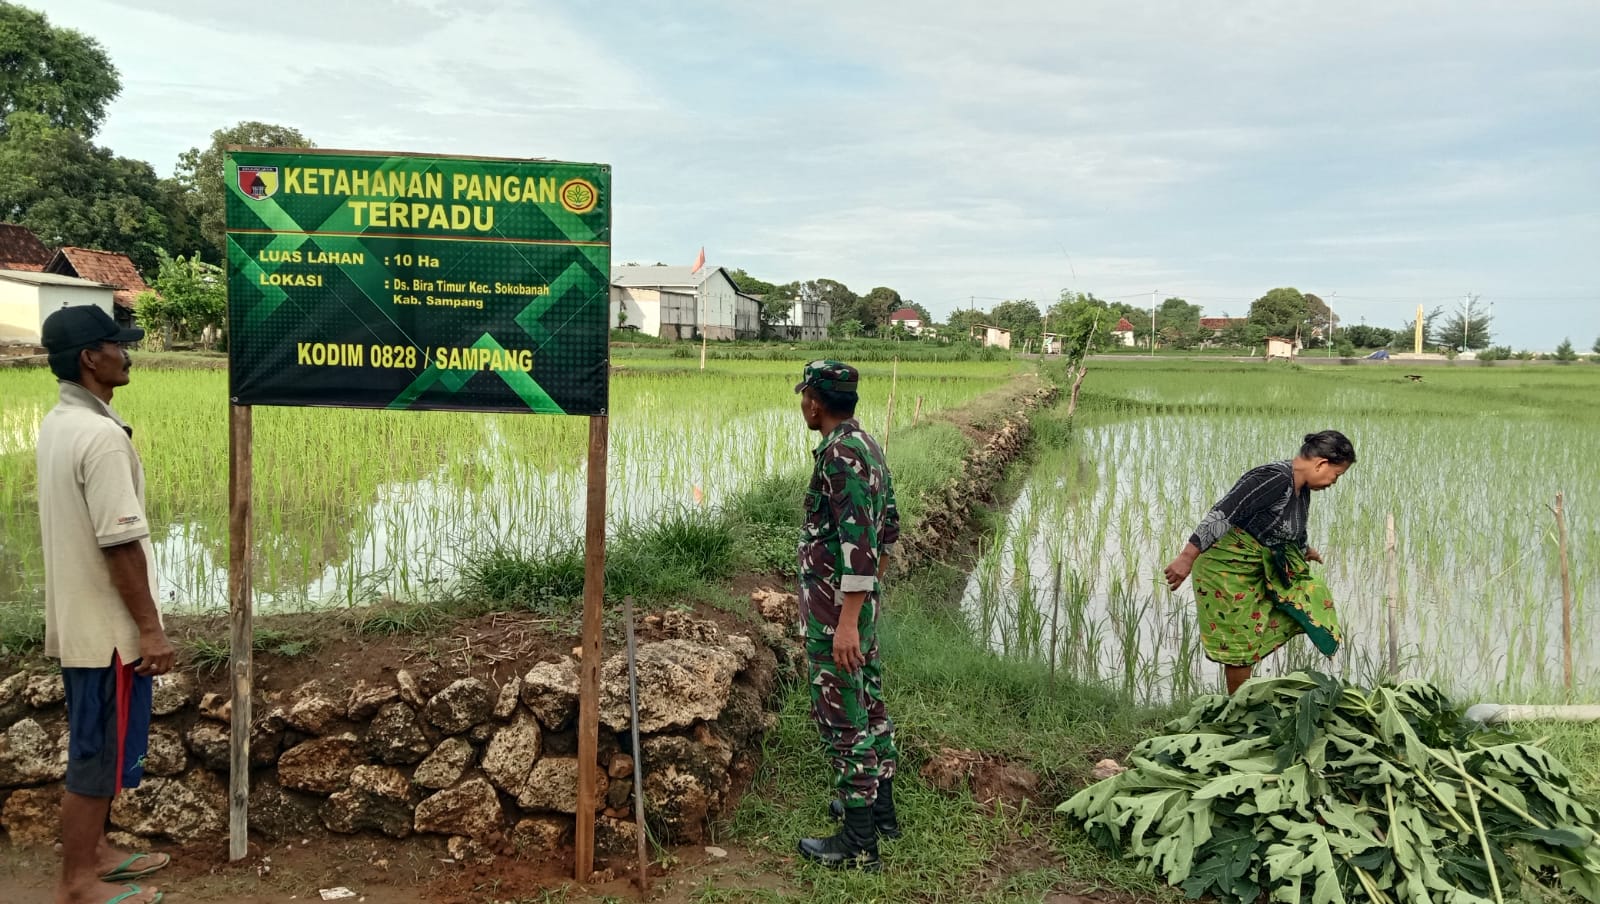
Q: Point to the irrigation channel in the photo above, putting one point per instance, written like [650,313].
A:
[1479,602]
[355,505]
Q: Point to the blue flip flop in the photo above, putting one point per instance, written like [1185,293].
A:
[136,890]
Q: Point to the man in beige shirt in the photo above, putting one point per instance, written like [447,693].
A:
[101,619]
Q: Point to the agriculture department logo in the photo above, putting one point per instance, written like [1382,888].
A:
[258,182]
[579,196]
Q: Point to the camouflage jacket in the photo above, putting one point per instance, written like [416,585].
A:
[851,519]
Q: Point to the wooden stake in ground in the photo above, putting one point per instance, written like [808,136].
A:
[1391,597]
[702,348]
[594,597]
[1055,619]
[916,413]
[240,617]
[888,412]
[1566,594]
[642,879]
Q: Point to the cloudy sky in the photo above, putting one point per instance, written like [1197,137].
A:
[1380,154]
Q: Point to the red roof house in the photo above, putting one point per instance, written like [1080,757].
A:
[1218,324]
[909,318]
[1123,326]
[108,267]
[20,249]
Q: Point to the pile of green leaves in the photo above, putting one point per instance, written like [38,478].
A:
[1304,788]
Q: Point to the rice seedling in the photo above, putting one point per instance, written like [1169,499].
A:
[1468,462]
[352,506]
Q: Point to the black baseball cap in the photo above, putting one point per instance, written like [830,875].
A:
[82,325]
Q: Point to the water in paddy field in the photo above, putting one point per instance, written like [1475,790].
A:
[1479,608]
[415,534]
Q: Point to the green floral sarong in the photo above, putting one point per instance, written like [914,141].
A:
[1252,598]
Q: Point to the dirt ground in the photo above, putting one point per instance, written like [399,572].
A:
[411,872]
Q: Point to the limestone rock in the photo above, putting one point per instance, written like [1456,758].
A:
[445,764]
[471,809]
[680,682]
[410,689]
[266,736]
[366,699]
[467,850]
[45,690]
[684,782]
[32,816]
[615,837]
[191,808]
[172,692]
[278,814]
[166,756]
[539,837]
[680,625]
[460,706]
[314,710]
[618,794]
[505,706]
[480,734]
[511,753]
[11,688]
[320,766]
[550,689]
[553,785]
[378,798]
[777,607]
[217,707]
[1107,768]
[212,743]
[30,756]
[395,736]
[621,766]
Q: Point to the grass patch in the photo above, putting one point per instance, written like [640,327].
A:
[211,654]
[21,629]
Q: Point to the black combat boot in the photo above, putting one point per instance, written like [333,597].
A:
[882,812]
[855,844]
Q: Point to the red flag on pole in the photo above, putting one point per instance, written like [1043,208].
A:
[699,262]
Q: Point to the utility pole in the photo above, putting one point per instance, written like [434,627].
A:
[1152,322]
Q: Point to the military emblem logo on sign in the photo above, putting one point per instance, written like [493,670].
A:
[258,182]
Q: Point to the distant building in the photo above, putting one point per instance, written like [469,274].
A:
[108,268]
[20,249]
[27,297]
[908,318]
[1212,328]
[1279,347]
[673,303]
[807,321]
[992,336]
[1123,334]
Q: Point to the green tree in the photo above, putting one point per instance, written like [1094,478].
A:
[58,73]
[55,181]
[777,308]
[1363,336]
[1564,352]
[1467,328]
[876,306]
[200,173]
[845,329]
[188,301]
[1021,317]
[1597,346]
[749,285]
[1319,318]
[962,322]
[922,313]
[1281,312]
[1178,323]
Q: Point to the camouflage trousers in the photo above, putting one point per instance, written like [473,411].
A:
[849,711]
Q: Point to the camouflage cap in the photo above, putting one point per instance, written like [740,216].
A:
[829,376]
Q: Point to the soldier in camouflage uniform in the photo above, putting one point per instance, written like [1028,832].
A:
[851,525]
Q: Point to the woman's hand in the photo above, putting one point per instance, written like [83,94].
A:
[1312,555]
[1178,569]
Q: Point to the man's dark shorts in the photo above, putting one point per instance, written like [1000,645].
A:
[108,728]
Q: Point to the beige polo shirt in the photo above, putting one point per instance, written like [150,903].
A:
[91,496]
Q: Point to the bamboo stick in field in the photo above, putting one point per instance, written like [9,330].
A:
[916,413]
[1055,619]
[1391,597]
[1566,594]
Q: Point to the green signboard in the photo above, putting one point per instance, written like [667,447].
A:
[369,280]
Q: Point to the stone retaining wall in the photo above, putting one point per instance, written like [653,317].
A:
[491,768]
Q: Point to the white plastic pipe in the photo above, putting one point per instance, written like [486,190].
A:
[1496,713]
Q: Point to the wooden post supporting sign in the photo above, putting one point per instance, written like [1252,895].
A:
[594,597]
[240,616]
